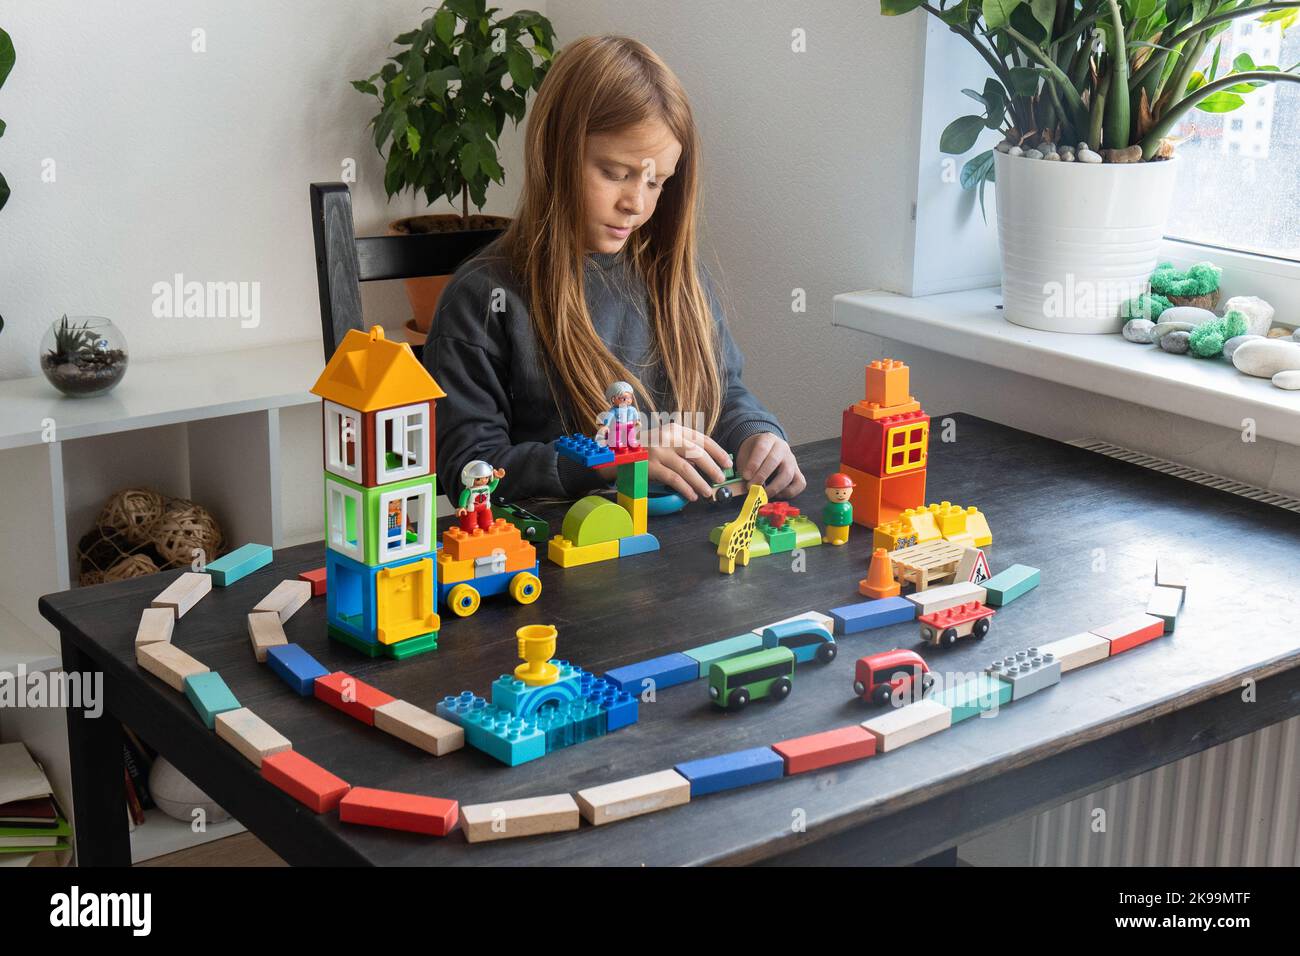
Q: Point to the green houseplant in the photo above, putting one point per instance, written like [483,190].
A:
[6,64]
[444,99]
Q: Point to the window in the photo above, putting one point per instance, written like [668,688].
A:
[402,443]
[343,441]
[346,520]
[406,520]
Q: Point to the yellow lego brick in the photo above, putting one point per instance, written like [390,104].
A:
[923,524]
[404,602]
[951,521]
[639,509]
[566,554]
[977,526]
[965,539]
[893,535]
[451,571]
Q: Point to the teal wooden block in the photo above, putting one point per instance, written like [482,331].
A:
[973,697]
[210,696]
[241,562]
[1010,583]
[709,654]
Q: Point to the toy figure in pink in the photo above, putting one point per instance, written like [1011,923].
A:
[619,425]
[478,480]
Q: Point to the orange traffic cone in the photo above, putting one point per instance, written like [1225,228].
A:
[879,582]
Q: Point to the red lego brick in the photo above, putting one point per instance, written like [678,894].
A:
[316,579]
[826,749]
[399,811]
[885,446]
[626,457]
[1128,632]
[352,696]
[307,782]
[955,616]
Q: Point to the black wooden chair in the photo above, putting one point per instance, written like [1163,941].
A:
[344,261]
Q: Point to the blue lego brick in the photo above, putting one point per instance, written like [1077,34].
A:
[708,654]
[350,600]
[1010,583]
[855,618]
[572,723]
[498,733]
[667,671]
[295,667]
[210,696]
[729,771]
[520,699]
[620,709]
[584,450]
[637,544]
[975,696]
[243,561]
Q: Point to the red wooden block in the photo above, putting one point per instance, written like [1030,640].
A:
[316,579]
[399,811]
[1129,632]
[826,749]
[307,782]
[352,696]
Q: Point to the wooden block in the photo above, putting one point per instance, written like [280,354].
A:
[307,782]
[1170,574]
[519,818]
[802,754]
[250,735]
[156,624]
[317,579]
[265,630]
[352,696]
[210,696]
[946,596]
[1078,650]
[1165,603]
[1128,632]
[286,598]
[633,797]
[419,728]
[1010,583]
[903,725]
[240,563]
[183,593]
[168,663]
[398,811]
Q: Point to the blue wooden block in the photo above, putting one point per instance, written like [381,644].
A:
[1010,583]
[229,568]
[210,696]
[295,667]
[729,771]
[667,671]
[854,618]
[708,654]
[637,544]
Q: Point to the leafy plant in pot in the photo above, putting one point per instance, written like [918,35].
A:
[444,101]
[1086,94]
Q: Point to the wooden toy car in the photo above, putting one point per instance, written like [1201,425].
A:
[664,501]
[942,628]
[807,639]
[879,677]
[734,682]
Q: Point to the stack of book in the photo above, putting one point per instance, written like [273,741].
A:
[30,819]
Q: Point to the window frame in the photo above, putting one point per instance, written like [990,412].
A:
[334,463]
[385,552]
[336,520]
[404,413]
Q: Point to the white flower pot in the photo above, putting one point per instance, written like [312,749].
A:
[1078,239]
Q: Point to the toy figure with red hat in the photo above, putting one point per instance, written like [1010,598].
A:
[838,512]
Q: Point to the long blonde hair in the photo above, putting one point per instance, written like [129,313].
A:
[599,85]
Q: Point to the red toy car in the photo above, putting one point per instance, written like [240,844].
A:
[942,628]
[879,676]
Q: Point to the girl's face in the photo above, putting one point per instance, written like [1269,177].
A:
[624,175]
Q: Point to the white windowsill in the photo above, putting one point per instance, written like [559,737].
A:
[970,325]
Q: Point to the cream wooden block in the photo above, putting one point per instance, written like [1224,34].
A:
[1170,574]
[265,630]
[1077,650]
[903,725]
[183,593]
[519,818]
[156,625]
[419,728]
[250,735]
[633,797]
[946,596]
[169,663]
[286,599]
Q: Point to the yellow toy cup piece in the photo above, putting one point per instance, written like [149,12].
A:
[537,647]
[463,600]
[525,588]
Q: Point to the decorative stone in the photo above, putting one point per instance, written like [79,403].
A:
[1187,313]
[1067,153]
[1139,331]
[1277,332]
[1003,147]
[1257,312]
[1131,154]
[1266,357]
[1234,343]
[1082,146]
[1052,157]
[1288,380]
[1088,156]
[1163,328]
[1033,154]
[1015,151]
[1177,342]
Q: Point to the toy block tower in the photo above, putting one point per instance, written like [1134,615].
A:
[380,516]
[884,446]
[595,528]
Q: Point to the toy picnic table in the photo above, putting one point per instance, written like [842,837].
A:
[1050,506]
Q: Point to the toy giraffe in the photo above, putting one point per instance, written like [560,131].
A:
[737,534]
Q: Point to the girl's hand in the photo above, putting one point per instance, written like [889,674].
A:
[687,461]
[767,460]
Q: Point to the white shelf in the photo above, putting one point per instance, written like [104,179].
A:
[160,835]
[970,325]
[19,646]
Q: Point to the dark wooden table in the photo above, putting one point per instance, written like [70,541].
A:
[1093,525]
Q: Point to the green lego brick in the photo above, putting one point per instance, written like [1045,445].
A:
[210,696]
[806,532]
[708,654]
[372,521]
[780,540]
[412,646]
[358,645]
[975,696]
[1009,584]
[634,479]
[757,547]
[595,520]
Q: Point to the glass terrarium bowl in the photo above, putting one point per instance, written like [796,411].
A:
[83,355]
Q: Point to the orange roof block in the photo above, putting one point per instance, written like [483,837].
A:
[502,536]
[368,373]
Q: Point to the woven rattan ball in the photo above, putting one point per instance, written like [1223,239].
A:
[133,512]
[132,566]
[184,527]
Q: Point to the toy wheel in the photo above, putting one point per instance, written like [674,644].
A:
[781,689]
[981,628]
[927,682]
[463,600]
[949,637]
[525,587]
[880,696]
[826,653]
[738,699]
[858,688]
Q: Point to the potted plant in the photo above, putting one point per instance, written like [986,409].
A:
[444,101]
[1086,94]
[84,358]
[6,64]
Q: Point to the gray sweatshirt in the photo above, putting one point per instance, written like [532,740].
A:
[499,407]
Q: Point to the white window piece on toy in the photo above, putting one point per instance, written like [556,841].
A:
[406,523]
[343,441]
[401,443]
[346,520]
